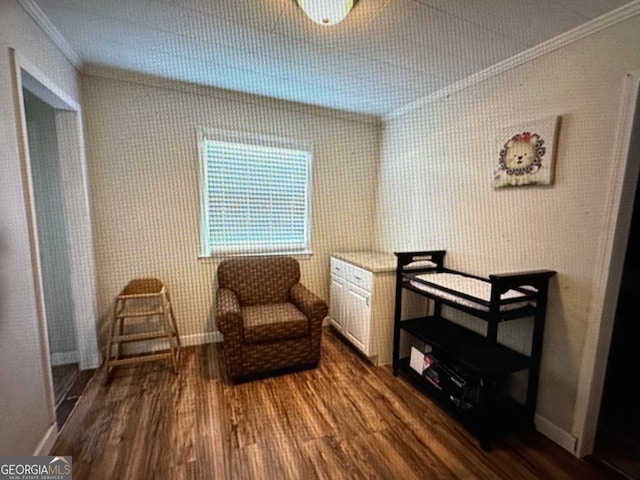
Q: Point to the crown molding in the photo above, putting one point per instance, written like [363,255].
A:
[34,10]
[156,81]
[596,25]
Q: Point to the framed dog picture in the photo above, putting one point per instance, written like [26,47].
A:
[526,154]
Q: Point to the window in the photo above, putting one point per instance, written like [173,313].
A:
[255,194]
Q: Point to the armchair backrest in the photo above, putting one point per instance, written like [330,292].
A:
[259,280]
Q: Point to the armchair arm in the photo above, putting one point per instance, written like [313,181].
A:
[228,314]
[314,308]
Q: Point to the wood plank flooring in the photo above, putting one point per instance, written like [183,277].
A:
[344,420]
[68,389]
[63,377]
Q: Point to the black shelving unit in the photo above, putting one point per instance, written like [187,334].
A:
[473,355]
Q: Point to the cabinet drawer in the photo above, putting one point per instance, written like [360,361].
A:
[339,268]
[360,277]
[356,275]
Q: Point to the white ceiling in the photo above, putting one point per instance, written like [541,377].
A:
[384,56]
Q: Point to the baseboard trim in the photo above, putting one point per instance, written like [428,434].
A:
[556,434]
[65,358]
[201,338]
[46,444]
[91,361]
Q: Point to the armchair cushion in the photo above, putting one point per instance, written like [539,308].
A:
[276,321]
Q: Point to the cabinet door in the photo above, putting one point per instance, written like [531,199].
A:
[358,316]
[337,303]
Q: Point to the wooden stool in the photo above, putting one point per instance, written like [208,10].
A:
[142,297]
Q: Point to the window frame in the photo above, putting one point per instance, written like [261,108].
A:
[208,250]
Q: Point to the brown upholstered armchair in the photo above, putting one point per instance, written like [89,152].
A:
[268,319]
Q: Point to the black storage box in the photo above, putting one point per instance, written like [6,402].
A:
[462,388]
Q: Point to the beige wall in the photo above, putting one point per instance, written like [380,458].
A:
[144,181]
[25,416]
[435,187]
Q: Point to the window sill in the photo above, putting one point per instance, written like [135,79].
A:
[218,257]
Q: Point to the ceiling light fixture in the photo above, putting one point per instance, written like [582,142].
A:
[326,12]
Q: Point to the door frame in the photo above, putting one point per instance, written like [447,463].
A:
[610,263]
[73,173]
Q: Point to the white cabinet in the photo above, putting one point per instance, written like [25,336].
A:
[337,304]
[362,302]
[358,317]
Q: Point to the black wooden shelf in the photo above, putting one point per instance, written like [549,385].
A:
[472,351]
[481,359]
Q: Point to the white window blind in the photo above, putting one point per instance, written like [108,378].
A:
[255,194]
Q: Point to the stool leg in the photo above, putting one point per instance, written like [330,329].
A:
[174,325]
[112,332]
[168,327]
[120,321]
[172,318]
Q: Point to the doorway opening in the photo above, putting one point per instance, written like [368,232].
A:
[52,240]
[64,357]
[57,204]
[618,435]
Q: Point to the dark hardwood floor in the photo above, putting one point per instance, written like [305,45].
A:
[63,377]
[346,419]
[68,384]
